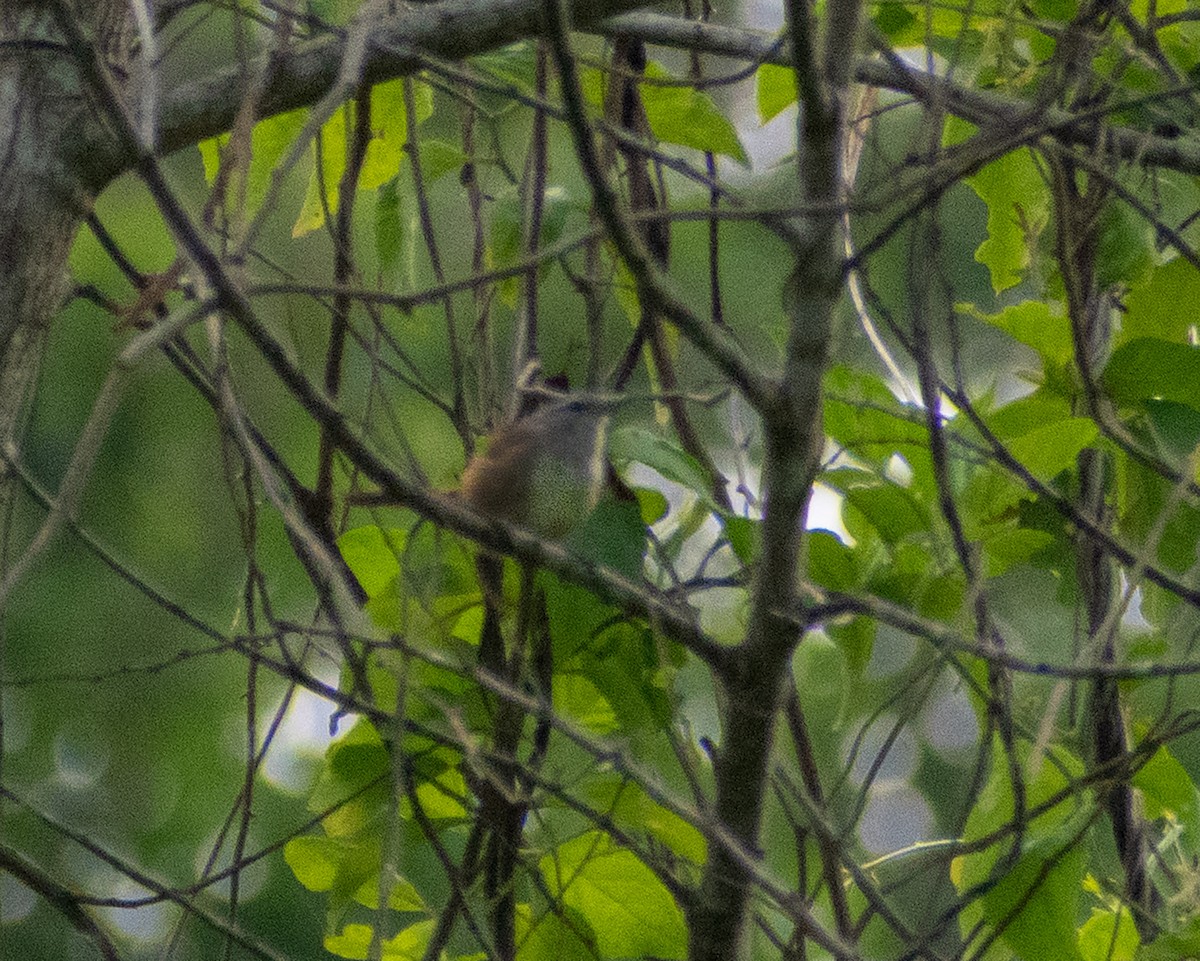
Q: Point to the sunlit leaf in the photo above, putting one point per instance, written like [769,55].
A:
[653,504]
[373,554]
[338,867]
[577,698]
[633,809]
[381,163]
[1033,323]
[1053,448]
[354,942]
[269,141]
[776,88]
[559,935]
[677,113]
[625,904]
[1018,204]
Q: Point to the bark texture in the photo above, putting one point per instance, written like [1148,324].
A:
[42,199]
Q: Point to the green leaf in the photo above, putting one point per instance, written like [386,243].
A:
[634,810]
[943,598]
[352,763]
[508,223]
[373,555]
[389,227]
[341,867]
[440,157]
[1146,497]
[1032,323]
[1108,936]
[625,664]
[577,698]
[1150,368]
[210,156]
[1013,546]
[558,935]
[613,535]
[1152,307]
[989,499]
[334,11]
[896,22]
[626,905]
[324,183]
[385,150]
[821,672]
[354,941]
[1176,428]
[890,509]
[743,535]
[640,445]
[1037,899]
[653,504]
[1169,791]
[441,797]
[404,896]
[776,88]
[389,133]
[685,116]
[314,861]
[1125,247]
[575,615]
[856,638]
[1018,204]
[1183,945]
[864,416]
[269,141]
[1048,450]
[994,808]
[1060,10]
[515,64]
[831,563]
[1027,413]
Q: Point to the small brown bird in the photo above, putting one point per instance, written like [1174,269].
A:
[543,471]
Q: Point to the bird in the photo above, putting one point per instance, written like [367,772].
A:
[544,471]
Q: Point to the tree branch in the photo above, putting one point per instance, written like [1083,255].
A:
[453,29]
[978,106]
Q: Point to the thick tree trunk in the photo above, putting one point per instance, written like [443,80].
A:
[41,200]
